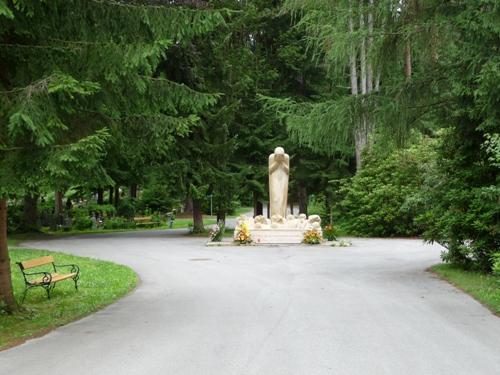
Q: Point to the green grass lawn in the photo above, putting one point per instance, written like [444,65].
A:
[241,210]
[100,284]
[484,288]
[179,223]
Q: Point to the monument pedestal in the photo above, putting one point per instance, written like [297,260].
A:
[277,235]
[277,229]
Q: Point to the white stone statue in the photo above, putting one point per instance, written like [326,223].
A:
[279,228]
[279,169]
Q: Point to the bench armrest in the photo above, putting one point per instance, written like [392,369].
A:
[74,267]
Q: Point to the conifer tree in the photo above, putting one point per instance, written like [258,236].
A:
[73,73]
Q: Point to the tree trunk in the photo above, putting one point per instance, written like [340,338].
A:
[328,208]
[58,202]
[360,141]
[221,216]
[409,8]
[291,207]
[257,205]
[303,198]
[30,213]
[117,196]
[111,195]
[197,217]
[408,59]
[188,205]
[362,52]
[352,58]
[100,196]
[7,300]
[133,191]
[369,47]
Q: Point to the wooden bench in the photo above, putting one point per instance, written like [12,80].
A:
[146,222]
[44,279]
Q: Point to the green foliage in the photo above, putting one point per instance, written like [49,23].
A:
[81,219]
[119,223]
[461,201]
[329,232]
[462,197]
[317,206]
[88,209]
[496,264]
[126,208]
[14,218]
[380,199]
[96,88]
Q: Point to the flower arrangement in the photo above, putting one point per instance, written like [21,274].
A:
[312,237]
[216,232]
[243,235]
[329,232]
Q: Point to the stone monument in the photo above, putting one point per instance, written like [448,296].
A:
[279,228]
[279,169]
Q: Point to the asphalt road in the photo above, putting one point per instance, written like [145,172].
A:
[289,310]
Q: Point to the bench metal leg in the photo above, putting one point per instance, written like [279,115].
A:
[47,289]
[24,295]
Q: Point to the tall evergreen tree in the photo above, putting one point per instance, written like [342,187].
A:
[73,71]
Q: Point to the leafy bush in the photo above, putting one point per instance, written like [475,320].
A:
[156,198]
[460,200]
[496,264]
[81,219]
[126,208]
[119,223]
[14,217]
[317,206]
[329,232]
[106,210]
[380,199]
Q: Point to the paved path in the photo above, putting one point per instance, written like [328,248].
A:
[369,309]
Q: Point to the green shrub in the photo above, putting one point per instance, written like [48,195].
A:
[460,199]
[317,206]
[105,210]
[119,223]
[329,232]
[380,199]
[14,218]
[126,208]
[81,219]
[496,264]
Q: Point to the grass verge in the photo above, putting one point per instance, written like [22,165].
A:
[484,288]
[100,284]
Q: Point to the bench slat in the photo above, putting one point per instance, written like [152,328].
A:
[55,278]
[37,262]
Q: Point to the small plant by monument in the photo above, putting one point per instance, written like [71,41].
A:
[329,232]
[341,243]
[216,233]
[312,237]
[243,235]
